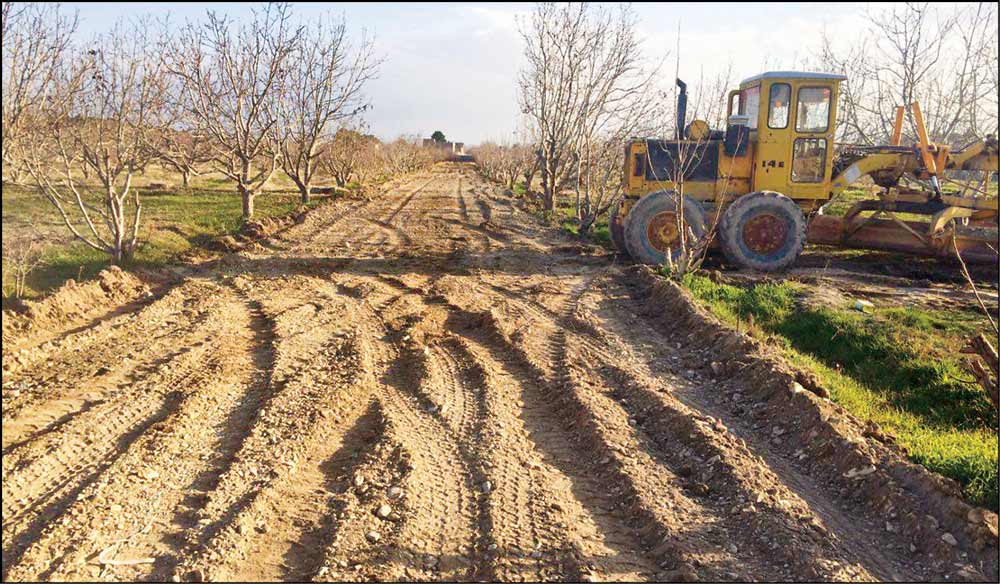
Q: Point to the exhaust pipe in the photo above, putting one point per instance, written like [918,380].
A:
[682,104]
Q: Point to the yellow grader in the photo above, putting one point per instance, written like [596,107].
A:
[754,183]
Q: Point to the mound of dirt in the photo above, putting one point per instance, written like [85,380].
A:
[72,302]
[853,456]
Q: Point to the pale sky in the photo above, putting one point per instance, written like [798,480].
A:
[453,67]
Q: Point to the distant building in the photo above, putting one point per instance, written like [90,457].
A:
[457,148]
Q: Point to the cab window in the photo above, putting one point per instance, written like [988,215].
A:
[778,105]
[750,104]
[813,112]
[809,160]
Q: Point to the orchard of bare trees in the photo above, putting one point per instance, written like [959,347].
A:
[244,100]
[944,57]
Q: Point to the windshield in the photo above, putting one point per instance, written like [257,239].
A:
[750,104]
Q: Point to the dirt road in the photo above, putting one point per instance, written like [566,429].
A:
[428,385]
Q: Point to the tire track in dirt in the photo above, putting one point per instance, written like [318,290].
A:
[443,521]
[21,532]
[463,207]
[808,559]
[778,499]
[62,461]
[378,235]
[518,536]
[231,433]
[592,509]
[643,497]
[27,350]
[167,455]
[364,474]
[303,545]
[41,467]
[52,384]
[495,387]
[622,452]
[307,374]
[323,222]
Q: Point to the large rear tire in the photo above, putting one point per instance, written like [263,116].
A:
[651,226]
[616,225]
[764,231]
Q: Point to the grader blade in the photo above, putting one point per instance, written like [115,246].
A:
[977,244]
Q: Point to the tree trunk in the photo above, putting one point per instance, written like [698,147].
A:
[306,192]
[548,203]
[247,195]
[547,191]
[186,178]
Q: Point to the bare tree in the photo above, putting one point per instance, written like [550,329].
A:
[369,165]
[945,58]
[23,252]
[36,40]
[231,78]
[325,88]
[504,163]
[348,155]
[585,72]
[404,154]
[602,180]
[180,144]
[103,119]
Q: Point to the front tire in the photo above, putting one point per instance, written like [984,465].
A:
[651,226]
[763,231]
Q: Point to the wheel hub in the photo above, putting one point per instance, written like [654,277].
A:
[765,233]
[662,231]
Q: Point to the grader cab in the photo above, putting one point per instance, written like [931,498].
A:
[753,185]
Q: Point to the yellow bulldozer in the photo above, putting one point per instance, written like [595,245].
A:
[761,186]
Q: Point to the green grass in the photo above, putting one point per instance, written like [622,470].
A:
[599,232]
[172,223]
[897,367]
[840,205]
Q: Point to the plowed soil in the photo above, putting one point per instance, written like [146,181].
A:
[433,385]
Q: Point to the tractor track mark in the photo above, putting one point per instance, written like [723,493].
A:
[59,378]
[275,442]
[441,463]
[86,442]
[36,347]
[463,207]
[309,235]
[790,503]
[553,442]
[521,529]
[297,503]
[500,387]
[54,480]
[167,455]
[19,540]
